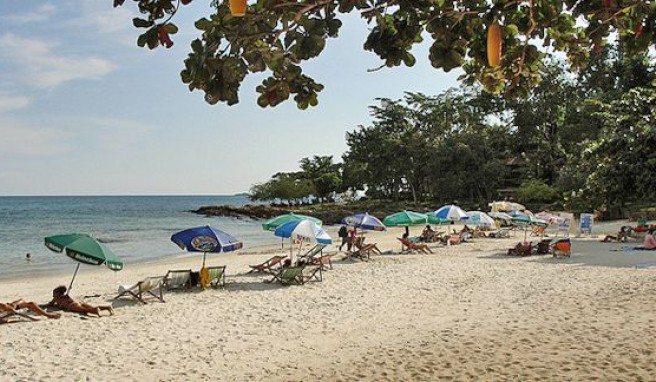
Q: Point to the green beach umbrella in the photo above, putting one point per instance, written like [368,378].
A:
[405,219]
[273,223]
[432,219]
[85,250]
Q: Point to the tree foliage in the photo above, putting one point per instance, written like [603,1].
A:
[277,37]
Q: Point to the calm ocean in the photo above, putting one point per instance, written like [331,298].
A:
[136,228]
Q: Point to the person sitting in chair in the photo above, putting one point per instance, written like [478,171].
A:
[13,306]
[62,300]
[414,246]
[427,234]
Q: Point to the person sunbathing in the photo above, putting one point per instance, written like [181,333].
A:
[622,235]
[62,300]
[521,249]
[13,306]
[414,246]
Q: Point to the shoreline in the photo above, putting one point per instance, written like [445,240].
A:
[465,312]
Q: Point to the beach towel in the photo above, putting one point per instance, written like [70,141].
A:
[204,277]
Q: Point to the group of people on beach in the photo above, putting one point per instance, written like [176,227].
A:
[60,300]
[623,235]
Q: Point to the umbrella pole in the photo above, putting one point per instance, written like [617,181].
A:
[204,255]
[73,279]
[407,231]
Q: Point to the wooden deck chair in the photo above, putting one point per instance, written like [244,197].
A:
[538,230]
[178,279]
[148,287]
[298,275]
[217,276]
[310,255]
[366,247]
[411,246]
[269,266]
[325,261]
[500,233]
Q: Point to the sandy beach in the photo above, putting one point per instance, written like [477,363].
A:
[465,312]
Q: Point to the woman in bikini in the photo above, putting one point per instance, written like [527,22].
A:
[62,300]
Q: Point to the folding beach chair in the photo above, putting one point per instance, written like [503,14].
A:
[178,279]
[298,275]
[268,266]
[143,289]
[217,276]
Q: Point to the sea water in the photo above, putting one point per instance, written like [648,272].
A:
[135,228]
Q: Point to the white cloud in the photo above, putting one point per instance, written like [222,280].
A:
[44,67]
[41,14]
[9,102]
[21,139]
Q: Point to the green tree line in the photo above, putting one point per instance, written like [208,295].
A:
[585,141]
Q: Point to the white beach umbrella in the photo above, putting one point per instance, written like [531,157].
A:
[480,218]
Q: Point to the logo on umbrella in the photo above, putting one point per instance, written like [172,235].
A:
[204,243]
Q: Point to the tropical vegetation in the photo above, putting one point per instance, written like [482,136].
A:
[577,142]
[501,44]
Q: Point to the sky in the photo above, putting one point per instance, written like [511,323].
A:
[85,111]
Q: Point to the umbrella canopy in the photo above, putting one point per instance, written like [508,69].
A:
[480,218]
[405,219]
[432,219]
[364,221]
[505,206]
[549,217]
[273,223]
[206,239]
[451,212]
[500,216]
[85,250]
[305,230]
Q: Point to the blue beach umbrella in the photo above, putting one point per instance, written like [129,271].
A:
[206,239]
[364,221]
[451,212]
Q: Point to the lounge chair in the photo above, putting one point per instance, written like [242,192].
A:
[538,231]
[500,233]
[315,256]
[298,275]
[521,249]
[562,247]
[217,276]
[406,243]
[142,289]
[366,247]
[178,279]
[268,266]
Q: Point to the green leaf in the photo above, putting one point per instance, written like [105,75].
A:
[141,23]
[170,28]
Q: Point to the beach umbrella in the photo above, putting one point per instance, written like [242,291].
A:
[432,219]
[273,223]
[405,219]
[364,221]
[85,250]
[549,217]
[206,239]
[500,215]
[504,206]
[451,212]
[526,221]
[480,218]
[303,230]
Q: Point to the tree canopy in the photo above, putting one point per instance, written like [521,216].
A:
[583,142]
[278,36]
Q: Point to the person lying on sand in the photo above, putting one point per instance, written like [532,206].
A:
[62,300]
[622,235]
[13,306]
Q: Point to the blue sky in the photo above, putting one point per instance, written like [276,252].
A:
[84,111]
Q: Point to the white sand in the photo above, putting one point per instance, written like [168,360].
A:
[463,313]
